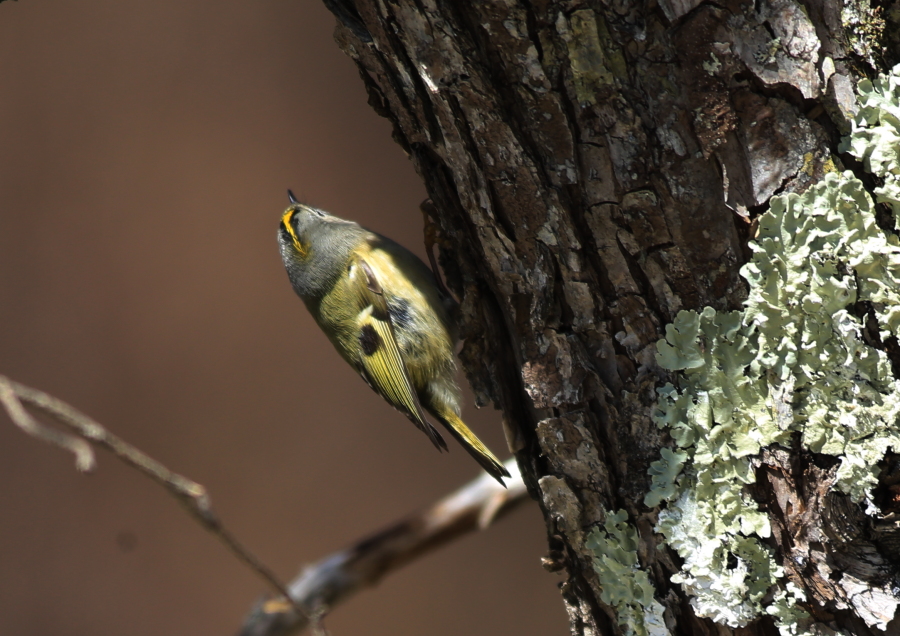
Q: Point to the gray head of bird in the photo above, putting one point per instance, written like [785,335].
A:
[315,247]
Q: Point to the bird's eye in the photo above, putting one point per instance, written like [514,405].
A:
[318,212]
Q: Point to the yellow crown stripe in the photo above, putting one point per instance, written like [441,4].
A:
[286,222]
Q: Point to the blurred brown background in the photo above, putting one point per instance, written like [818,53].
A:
[145,149]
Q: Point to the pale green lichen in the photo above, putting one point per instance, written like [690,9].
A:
[662,474]
[626,587]
[794,621]
[720,418]
[726,573]
[794,362]
[713,66]
[875,139]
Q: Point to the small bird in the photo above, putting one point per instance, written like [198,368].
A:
[382,309]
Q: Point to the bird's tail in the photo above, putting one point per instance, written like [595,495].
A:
[474,447]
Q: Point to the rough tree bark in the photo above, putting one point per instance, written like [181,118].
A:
[596,168]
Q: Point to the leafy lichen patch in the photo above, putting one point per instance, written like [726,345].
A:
[793,363]
[720,418]
[625,586]
[875,139]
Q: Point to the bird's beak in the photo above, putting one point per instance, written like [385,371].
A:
[292,198]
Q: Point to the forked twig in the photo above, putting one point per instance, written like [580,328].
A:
[191,494]
[84,454]
[336,578]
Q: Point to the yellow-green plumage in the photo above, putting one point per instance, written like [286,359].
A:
[381,308]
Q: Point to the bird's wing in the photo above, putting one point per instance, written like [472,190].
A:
[382,365]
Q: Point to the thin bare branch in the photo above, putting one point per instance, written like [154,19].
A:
[191,494]
[320,587]
[339,576]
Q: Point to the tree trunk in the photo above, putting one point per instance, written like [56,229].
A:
[596,169]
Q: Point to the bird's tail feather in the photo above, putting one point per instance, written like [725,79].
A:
[474,446]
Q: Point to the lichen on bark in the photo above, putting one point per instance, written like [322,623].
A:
[596,168]
[793,366]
